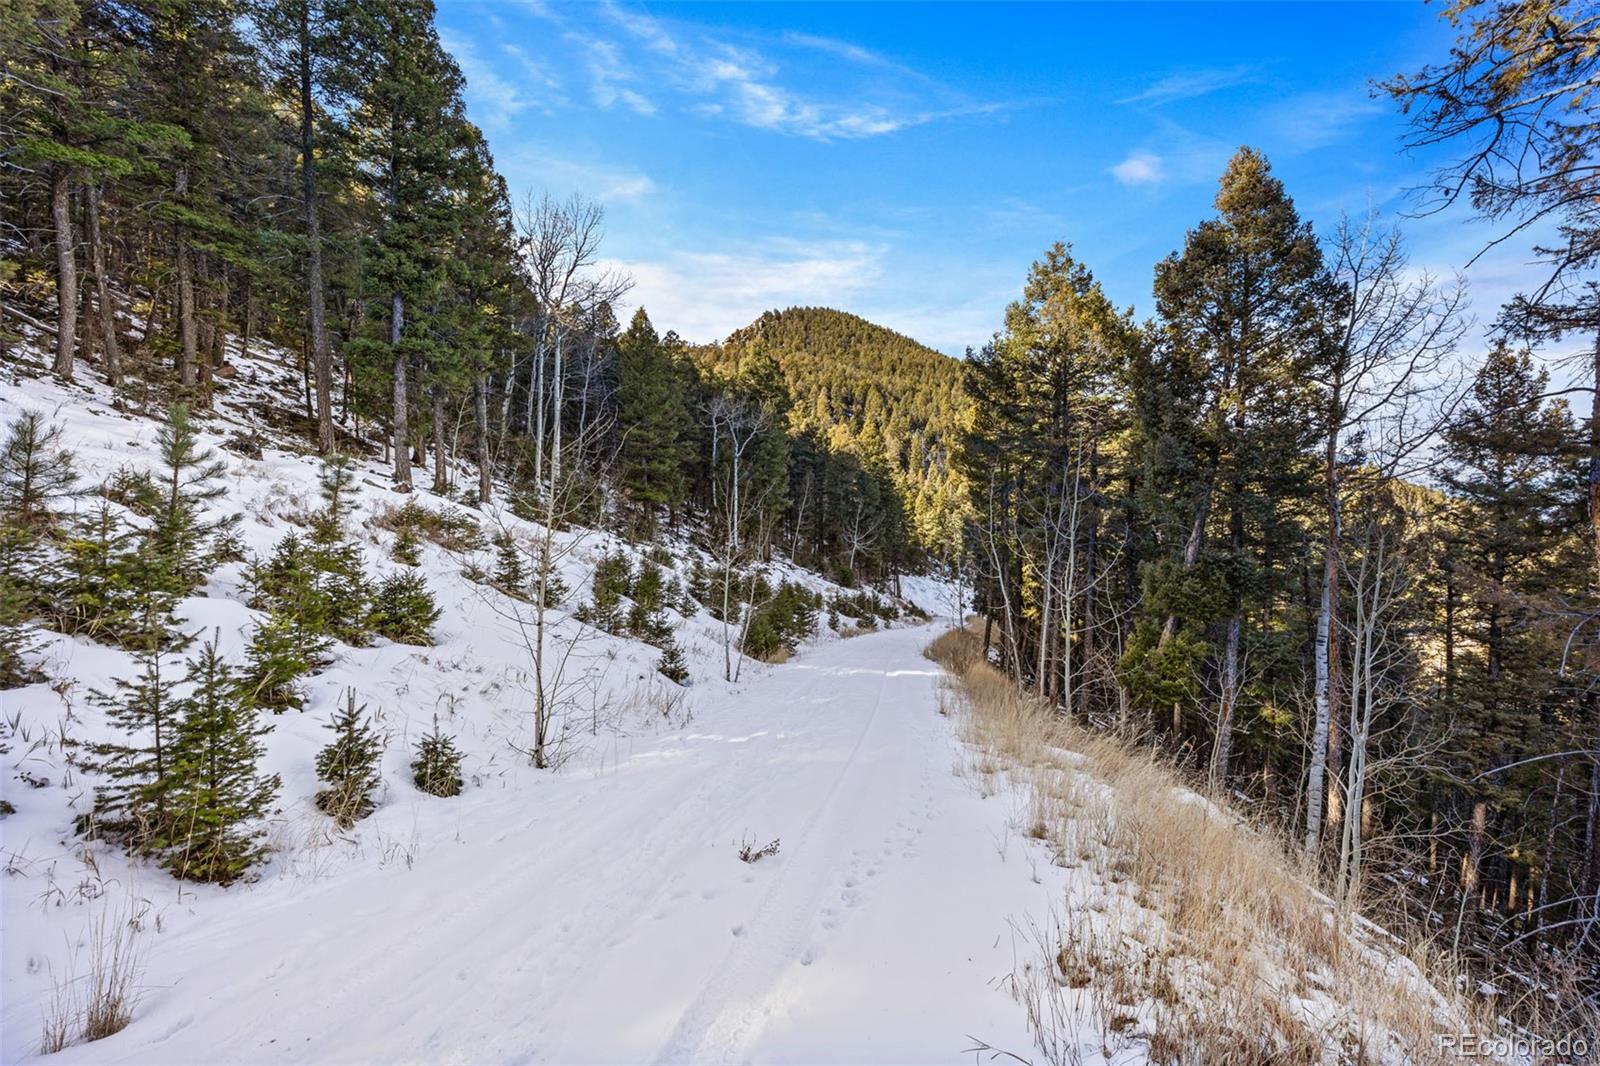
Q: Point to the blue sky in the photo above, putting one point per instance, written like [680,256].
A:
[908,162]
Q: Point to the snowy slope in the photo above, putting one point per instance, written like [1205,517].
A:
[597,913]
[603,916]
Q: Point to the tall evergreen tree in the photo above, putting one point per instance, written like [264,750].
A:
[409,128]
[1511,463]
[652,412]
[1243,308]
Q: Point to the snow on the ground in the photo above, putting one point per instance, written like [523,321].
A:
[594,913]
[602,915]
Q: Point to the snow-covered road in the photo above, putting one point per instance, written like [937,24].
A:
[603,915]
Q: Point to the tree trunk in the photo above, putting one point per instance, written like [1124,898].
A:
[188,352]
[321,356]
[441,480]
[480,395]
[402,431]
[1472,861]
[66,272]
[86,323]
[1594,454]
[1230,693]
[218,354]
[1230,653]
[558,404]
[1322,778]
[102,290]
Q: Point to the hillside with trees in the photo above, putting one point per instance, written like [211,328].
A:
[307,410]
[867,391]
[1267,534]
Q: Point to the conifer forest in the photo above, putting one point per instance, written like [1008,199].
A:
[413,647]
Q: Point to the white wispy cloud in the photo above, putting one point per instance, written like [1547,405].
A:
[534,166]
[1306,121]
[843,49]
[611,75]
[707,294]
[738,83]
[1140,168]
[495,100]
[1185,85]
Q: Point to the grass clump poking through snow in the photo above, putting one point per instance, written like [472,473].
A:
[100,1003]
[1185,933]
[748,852]
[453,530]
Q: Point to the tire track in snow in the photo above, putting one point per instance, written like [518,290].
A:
[736,999]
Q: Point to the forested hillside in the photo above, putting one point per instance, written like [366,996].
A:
[331,196]
[303,401]
[1268,534]
[870,392]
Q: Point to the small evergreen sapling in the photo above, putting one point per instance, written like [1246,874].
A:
[281,652]
[403,609]
[437,768]
[699,588]
[179,541]
[133,806]
[35,473]
[611,581]
[672,665]
[407,547]
[322,587]
[217,793]
[349,765]
[510,576]
[337,483]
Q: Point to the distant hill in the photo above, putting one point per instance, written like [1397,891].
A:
[873,393]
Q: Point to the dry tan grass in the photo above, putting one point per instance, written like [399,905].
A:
[101,1002]
[1199,936]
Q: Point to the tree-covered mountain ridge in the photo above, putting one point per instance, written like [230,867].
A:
[869,391]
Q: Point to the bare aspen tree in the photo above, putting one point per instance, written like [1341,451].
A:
[1389,347]
[736,423]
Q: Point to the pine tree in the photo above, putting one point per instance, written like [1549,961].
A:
[403,609]
[652,422]
[217,791]
[1511,460]
[179,540]
[1243,308]
[610,583]
[15,639]
[337,483]
[510,576]
[36,473]
[554,589]
[672,664]
[102,580]
[409,126]
[349,765]
[281,652]
[135,805]
[407,547]
[322,587]
[437,767]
